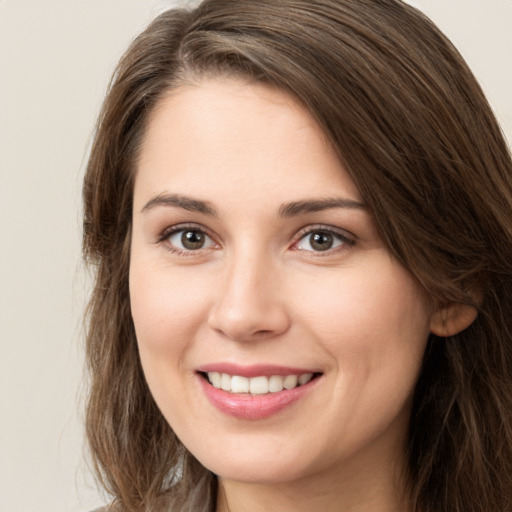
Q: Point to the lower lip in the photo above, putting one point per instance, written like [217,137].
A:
[254,407]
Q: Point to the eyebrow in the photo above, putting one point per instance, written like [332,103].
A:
[187,203]
[290,209]
[317,205]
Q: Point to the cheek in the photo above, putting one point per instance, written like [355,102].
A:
[374,325]
[167,309]
[360,306]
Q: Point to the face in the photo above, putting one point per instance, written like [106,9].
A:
[279,337]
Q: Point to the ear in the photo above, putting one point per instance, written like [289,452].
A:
[452,319]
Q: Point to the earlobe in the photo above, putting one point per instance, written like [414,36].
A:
[452,319]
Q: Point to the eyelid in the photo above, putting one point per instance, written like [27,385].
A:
[164,235]
[346,237]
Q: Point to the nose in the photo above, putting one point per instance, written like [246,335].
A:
[249,305]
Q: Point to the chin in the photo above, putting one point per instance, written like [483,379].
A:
[260,459]
[255,471]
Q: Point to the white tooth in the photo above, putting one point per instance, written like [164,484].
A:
[305,378]
[290,381]
[275,384]
[225,382]
[258,385]
[214,378]
[239,384]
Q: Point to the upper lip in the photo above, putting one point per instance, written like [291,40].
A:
[255,370]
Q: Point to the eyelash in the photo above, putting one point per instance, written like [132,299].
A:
[163,238]
[344,239]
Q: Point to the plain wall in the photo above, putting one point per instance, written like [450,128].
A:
[55,61]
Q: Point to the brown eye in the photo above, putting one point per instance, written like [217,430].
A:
[192,240]
[321,240]
[189,240]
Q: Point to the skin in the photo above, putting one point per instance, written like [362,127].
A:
[258,292]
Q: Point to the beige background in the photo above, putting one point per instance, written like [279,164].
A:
[55,61]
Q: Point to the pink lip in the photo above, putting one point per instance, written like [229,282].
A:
[256,370]
[254,407]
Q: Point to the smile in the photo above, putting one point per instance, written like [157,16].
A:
[259,393]
[260,385]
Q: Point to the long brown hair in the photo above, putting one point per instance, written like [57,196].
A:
[415,132]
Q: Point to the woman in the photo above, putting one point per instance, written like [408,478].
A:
[300,216]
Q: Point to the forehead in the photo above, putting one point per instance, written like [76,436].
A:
[236,137]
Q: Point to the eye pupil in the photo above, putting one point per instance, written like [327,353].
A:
[321,241]
[192,239]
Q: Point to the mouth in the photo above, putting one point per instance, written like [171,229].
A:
[259,385]
[259,393]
